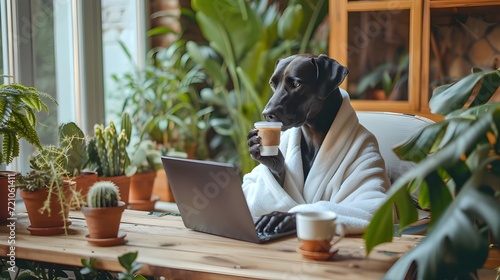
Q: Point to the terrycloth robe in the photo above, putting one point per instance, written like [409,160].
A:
[348,175]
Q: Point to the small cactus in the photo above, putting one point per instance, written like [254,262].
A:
[103,194]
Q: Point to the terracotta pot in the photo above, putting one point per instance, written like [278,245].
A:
[161,188]
[123,184]
[85,181]
[141,186]
[7,193]
[104,222]
[45,223]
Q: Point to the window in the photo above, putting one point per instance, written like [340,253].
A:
[57,47]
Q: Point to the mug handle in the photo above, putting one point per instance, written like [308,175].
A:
[341,234]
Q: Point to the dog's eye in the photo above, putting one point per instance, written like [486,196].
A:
[296,84]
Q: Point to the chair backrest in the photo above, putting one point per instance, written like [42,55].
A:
[391,129]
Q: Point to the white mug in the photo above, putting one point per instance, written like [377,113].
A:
[316,230]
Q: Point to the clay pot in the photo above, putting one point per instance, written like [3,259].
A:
[7,193]
[123,184]
[161,188]
[43,223]
[84,181]
[104,223]
[141,186]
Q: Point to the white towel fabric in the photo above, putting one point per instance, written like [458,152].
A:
[348,175]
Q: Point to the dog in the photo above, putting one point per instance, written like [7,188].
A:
[305,94]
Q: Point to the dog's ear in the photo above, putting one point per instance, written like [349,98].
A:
[329,74]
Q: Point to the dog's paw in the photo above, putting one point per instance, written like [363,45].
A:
[253,141]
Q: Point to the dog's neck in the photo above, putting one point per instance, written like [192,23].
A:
[314,130]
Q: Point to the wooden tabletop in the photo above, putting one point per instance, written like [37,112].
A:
[167,248]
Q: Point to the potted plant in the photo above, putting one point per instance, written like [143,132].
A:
[46,194]
[18,107]
[457,175]
[108,155]
[103,214]
[144,164]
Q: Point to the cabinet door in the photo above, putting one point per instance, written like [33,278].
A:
[379,41]
[459,36]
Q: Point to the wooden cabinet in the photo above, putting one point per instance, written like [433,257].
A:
[397,52]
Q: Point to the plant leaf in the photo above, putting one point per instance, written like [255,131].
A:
[454,247]
[448,98]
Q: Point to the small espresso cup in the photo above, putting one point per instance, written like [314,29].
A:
[316,230]
[269,133]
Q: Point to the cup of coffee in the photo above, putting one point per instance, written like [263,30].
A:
[316,231]
[269,133]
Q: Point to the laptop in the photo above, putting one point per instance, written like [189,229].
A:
[210,199]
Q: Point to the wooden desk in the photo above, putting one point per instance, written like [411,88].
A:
[167,248]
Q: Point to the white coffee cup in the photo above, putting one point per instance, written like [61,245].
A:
[269,133]
[316,230]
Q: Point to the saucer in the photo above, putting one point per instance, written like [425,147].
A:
[318,256]
[47,231]
[144,205]
[107,242]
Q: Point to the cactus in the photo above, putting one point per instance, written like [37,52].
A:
[72,140]
[103,194]
[112,157]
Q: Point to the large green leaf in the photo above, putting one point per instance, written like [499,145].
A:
[448,98]
[421,144]
[232,27]
[454,247]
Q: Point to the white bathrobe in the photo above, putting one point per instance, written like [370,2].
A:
[348,175]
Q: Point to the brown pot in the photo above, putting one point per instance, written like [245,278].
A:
[161,188]
[104,222]
[45,223]
[7,193]
[123,184]
[84,181]
[141,186]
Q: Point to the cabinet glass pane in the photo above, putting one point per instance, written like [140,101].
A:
[378,55]
[463,38]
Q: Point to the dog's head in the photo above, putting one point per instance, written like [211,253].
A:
[301,86]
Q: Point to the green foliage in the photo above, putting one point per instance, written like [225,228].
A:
[18,107]
[72,139]
[146,158]
[245,41]
[31,270]
[387,76]
[127,261]
[89,272]
[107,150]
[162,100]
[103,194]
[457,168]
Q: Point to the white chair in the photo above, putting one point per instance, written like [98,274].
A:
[392,129]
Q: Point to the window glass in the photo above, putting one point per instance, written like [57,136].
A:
[378,56]
[119,25]
[44,71]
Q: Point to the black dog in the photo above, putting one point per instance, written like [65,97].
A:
[306,95]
